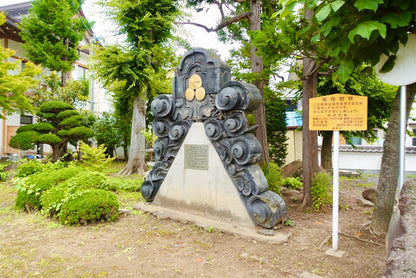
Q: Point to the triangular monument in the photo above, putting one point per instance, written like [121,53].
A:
[206,152]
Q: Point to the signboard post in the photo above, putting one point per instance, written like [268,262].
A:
[337,112]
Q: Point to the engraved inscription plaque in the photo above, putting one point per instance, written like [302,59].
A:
[196,157]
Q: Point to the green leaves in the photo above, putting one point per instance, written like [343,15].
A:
[51,34]
[397,19]
[364,29]
[367,4]
[389,64]
[344,71]
[324,12]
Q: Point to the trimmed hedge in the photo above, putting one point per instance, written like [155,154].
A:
[53,199]
[89,206]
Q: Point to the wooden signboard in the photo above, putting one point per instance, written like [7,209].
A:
[338,112]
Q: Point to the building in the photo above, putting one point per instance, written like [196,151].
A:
[9,38]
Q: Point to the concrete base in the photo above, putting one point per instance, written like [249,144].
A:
[209,192]
[206,223]
[335,253]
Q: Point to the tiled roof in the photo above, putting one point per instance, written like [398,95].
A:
[371,149]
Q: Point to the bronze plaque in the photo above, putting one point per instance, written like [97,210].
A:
[196,157]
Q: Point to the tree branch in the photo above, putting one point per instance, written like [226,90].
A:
[222,24]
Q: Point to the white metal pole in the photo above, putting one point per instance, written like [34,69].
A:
[402,136]
[335,193]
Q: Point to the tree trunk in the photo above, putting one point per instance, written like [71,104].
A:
[126,153]
[309,138]
[257,67]
[55,152]
[136,161]
[326,151]
[389,172]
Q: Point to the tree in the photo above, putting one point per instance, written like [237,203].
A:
[135,69]
[59,124]
[51,35]
[14,86]
[293,41]
[276,126]
[106,132]
[389,172]
[360,31]
[245,17]
[75,92]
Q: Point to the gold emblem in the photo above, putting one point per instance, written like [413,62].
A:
[189,94]
[195,88]
[195,82]
[200,94]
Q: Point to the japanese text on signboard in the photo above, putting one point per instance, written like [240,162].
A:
[338,112]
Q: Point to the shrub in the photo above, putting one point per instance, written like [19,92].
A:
[321,191]
[31,188]
[53,199]
[3,176]
[88,207]
[28,167]
[94,157]
[292,182]
[124,184]
[273,176]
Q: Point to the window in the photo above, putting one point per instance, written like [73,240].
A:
[414,137]
[26,120]
[81,73]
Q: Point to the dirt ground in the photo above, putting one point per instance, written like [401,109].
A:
[141,245]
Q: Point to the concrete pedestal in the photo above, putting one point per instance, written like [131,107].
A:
[206,191]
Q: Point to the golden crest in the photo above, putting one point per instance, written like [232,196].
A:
[195,82]
[200,94]
[190,94]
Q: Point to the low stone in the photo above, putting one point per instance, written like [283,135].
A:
[349,174]
[293,169]
[365,203]
[335,253]
[123,212]
[369,194]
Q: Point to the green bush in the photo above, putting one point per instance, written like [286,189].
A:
[124,184]
[95,157]
[53,199]
[273,176]
[3,176]
[321,191]
[88,207]
[31,188]
[292,182]
[28,167]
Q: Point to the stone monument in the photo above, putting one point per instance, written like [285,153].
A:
[206,152]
